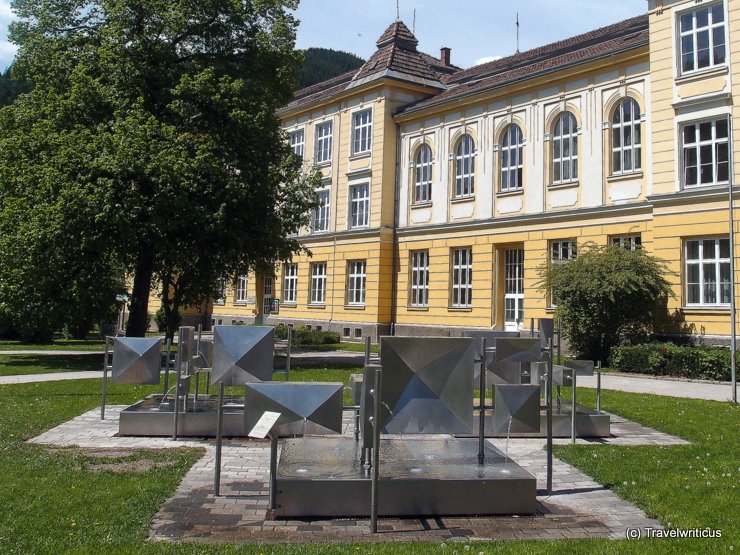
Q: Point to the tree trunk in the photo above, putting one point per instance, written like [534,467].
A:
[138,317]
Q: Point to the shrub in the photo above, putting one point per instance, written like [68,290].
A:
[307,337]
[607,296]
[161,320]
[668,359]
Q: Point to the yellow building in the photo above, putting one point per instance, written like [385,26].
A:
[445,188]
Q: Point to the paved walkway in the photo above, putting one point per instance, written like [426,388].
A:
[578,507]
[659,386]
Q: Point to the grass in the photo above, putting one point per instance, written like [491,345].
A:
[353,347]
[57,345]
[59,501]
[42,364]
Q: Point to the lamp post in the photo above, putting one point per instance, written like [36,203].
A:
[733,335]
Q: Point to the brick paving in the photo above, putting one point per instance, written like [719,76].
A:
[578,507]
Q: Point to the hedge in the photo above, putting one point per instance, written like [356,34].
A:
[307,337]
[669,359]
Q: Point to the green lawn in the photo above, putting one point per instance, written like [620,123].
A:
[42,364]
[60,501]
[57,345]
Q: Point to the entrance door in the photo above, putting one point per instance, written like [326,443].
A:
[266,298]
[513,289]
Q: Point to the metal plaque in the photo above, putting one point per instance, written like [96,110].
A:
[427,385]
[136,360]
[314,402]
[242,354]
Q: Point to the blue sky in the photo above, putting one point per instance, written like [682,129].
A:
[476,30]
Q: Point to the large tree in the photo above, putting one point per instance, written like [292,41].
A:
[607,296]
[154,129]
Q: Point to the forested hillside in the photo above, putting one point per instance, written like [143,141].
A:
[323,63]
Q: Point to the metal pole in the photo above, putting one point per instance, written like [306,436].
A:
[733,334]
[376,452]
[167,369]
[367,350]
[176,400]
[531,327]
[559,339]
[548,400]
[104,392]
[573,407]
[287,354]
[273,471]
[482,405]
[219,440]
[598,387]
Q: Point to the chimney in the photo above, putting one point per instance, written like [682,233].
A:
[444,55]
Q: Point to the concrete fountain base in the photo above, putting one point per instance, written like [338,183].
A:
[322,477]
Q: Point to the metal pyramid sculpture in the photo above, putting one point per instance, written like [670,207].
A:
[517,409]
[547,331]
[242,354]
[136,360]
[510,354]
[582,367]
[427,385]
[318,403]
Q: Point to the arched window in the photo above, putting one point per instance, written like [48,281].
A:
[511,159]
[423,174]
[565,149]
[465,167]
[626,138]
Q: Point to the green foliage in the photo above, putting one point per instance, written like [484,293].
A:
[162,322]
[606,297]
[149,145]
[11,88]
[669,359]
[303,336]
[320,64]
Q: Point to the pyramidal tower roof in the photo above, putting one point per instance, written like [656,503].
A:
[398,58]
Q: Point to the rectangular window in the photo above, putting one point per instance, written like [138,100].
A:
[321,212]
[702,38]
[297,142]
[323,142]
[241,289]
[221,294]
[627,242]
[419,279]
[359,205]
[705,153]
[708,280]
[561,252]
[356,282]
[362,131]
[318,283]
[290,283]
[462,278]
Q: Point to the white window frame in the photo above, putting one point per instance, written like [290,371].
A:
[561,139]
[321,214]
[422,168]
[298,142]
[318,283]
[631,242]
[362,131]
[324,135]
[512,163]
[465,154]
[706,260]
[290,283]
[623,131]
[461,262]
[240,296]
[356,282]
[698,146]
[419,279]
[692,34]
[359,206]
[560,252]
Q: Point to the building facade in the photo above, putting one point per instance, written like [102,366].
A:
[445,189]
